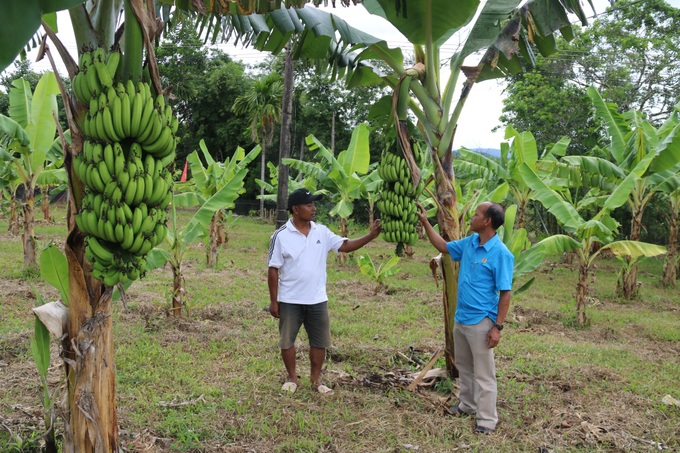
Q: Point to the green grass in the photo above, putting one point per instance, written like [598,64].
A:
[211,381]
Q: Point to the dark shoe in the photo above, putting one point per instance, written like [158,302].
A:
[482,430]
[456,411]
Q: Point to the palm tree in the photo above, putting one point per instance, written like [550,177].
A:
[262,105]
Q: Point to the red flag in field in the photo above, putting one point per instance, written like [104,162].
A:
[184,172]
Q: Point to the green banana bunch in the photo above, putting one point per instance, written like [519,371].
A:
[96,71]
[398,196]
[130,140]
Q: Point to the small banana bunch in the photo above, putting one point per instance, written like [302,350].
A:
[397,203]
[129,143]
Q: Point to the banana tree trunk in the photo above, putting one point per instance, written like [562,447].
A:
[89,407]
[216,239]
[344,232]
[669,269]
[28,236]
[14,224]
[46,207]
[263,164]
[521,213]
[629,285]
[449,228]
[177,291]
[582,292]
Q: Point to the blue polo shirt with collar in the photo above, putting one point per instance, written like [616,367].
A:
[484,271]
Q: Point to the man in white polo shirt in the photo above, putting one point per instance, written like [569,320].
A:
[297,283]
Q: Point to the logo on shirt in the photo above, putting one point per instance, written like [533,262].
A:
[318,241]
[483,260]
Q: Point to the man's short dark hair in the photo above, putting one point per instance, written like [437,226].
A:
[497,215]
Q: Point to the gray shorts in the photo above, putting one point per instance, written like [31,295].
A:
[315,319]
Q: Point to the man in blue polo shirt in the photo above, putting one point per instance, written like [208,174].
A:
[297,283]
[484,286]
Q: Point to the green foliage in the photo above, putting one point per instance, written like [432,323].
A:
[54,270]
[383,272]
[629,54]
[227,352]
[543,102]
[339,177]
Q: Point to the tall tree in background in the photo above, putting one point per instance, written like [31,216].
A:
[320,100]
[262,104]
[631,54]
[285,142]
[544,102]
[211,116]
[183,64]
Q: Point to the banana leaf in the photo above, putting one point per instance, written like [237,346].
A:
[223,199]
[54,270]
[13,130]
[634,249]
[617,127]
[564,212]
[356,158]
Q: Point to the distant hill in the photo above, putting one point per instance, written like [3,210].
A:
[491,152]
[494,152]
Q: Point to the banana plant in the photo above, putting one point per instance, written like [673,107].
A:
[54,270]
[197,228]
[339,178]
[209,180]
[30,130]
[271,188]
[640,160]
[518,148]
[379,274]
[582,235]
[671,193]
[369,192]
[316,35]
[10,183]
[54,175]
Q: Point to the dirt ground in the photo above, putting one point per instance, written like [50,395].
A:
[581,407]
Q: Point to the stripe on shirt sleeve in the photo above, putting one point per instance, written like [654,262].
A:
[272,241]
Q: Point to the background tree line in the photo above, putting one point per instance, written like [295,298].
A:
[632,56]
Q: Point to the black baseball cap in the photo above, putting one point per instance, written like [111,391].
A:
[302,196]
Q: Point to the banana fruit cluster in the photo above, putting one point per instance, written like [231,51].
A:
[397,203]
[129,143]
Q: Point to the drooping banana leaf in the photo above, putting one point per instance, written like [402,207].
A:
[564,212]
[634,249]
[13,130]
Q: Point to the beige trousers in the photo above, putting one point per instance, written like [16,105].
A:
[477,372]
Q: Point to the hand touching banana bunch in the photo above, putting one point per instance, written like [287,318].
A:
[397,203]
[129,143]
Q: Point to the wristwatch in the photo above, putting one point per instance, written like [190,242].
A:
[498,326]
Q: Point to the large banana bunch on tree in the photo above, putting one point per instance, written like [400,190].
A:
[399,169]
[129,141]
[398,195]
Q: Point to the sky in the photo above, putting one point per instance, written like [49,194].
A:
[480,113]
